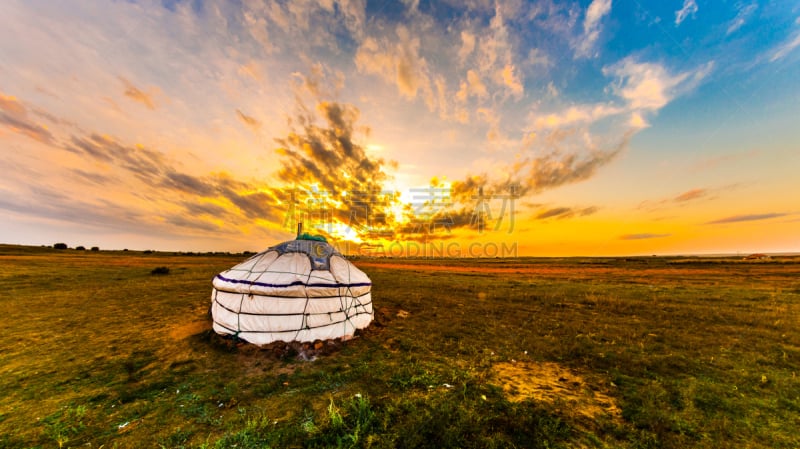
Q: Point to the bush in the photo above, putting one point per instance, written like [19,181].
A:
[80,248]
[160,270]
[95,248]
[60,246]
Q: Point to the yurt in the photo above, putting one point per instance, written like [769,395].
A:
[301,290]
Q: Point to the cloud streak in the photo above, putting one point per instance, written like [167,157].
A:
[249,121]
[643,236]
[688,198]
[691,195]
[689,9]
[747,217]
[742,16]
[565,212]
[154,169]
[786,47]
[137,95]
[591,26]
[14,115]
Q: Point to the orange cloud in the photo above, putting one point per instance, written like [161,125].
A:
[565,212]
[467,45]
[691,195]
[397,62]
[137,95]
[473,86]
[251,122]
[14,115]
[642,236]
[748,217]
[511,80]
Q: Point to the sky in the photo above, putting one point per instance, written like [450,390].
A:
[454,127]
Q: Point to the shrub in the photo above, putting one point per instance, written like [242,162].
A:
[95,248]
[160,270]
[60,246]
[80,248]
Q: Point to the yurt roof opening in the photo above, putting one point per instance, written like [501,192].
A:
[300,290]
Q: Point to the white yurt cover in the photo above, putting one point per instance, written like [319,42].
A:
[300,290]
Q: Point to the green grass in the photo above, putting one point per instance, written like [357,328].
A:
[96,350]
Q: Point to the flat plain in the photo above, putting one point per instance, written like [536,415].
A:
[99,350]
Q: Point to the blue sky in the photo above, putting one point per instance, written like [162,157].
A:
[159,124]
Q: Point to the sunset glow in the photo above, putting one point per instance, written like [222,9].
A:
[551,128]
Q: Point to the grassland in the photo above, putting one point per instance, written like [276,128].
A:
[96,351]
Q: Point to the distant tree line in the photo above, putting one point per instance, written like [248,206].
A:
[77,248]
[61,245]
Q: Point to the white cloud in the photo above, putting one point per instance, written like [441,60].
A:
[638,89]
[786,47]
[537,57]
[591,26]
[597,9]
[741,17]
[575,115]
[552,90]
[689,9]
[649,86]
[644,85]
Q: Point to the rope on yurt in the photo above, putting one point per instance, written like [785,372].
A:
[239,316]
[352,301]
[249,294]
[304,324]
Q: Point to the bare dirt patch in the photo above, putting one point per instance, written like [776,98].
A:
[552,383]
[187,330]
